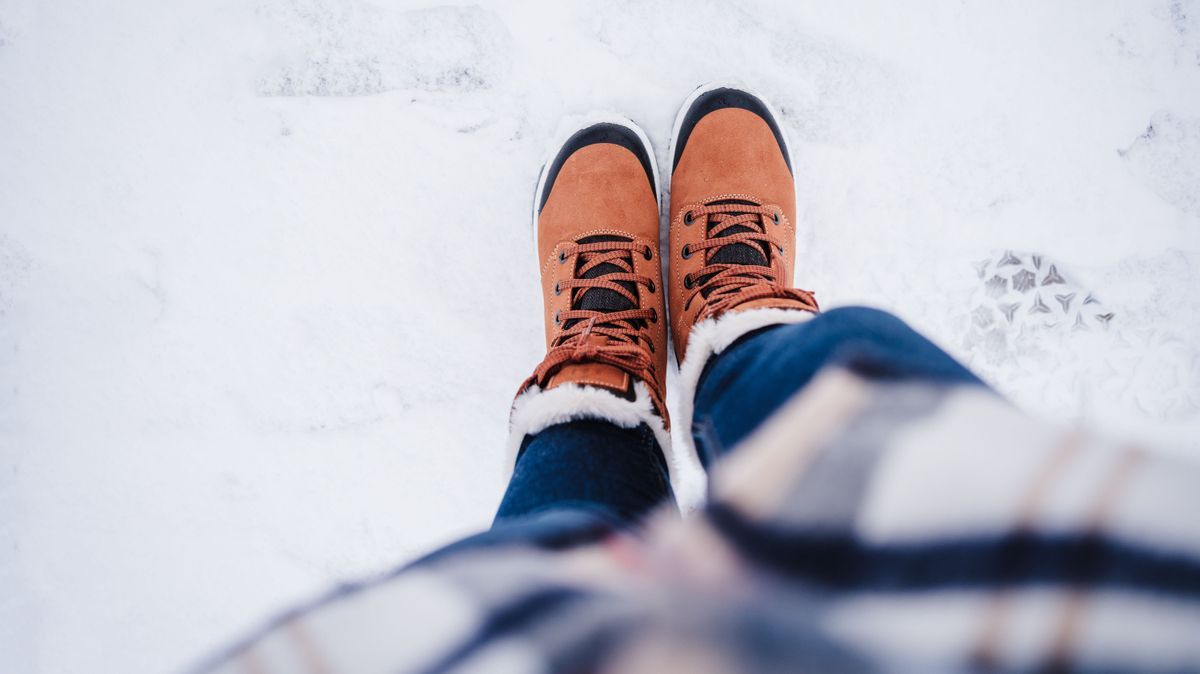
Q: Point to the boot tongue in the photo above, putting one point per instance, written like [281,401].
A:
[750,253]
[602,299]
[599,375]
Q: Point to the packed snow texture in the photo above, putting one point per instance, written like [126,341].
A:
[267,285]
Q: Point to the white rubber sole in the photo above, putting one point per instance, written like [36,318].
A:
[574,125]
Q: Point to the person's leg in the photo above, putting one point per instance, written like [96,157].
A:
[745,337]
[756,374]
[588,465]
[588,429]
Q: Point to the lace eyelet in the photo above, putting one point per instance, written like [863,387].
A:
[650,287]
[557,288]
[780,249]
[687,282]
[562,257]
[775,217]
[686,252]
[557,318]
[648,254]
[654,316]
[689,219]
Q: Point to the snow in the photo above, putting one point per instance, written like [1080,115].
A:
[267,285]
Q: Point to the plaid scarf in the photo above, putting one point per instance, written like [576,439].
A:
[888,526]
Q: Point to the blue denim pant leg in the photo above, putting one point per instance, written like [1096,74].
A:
[587,465]
[590,475]
[755,375]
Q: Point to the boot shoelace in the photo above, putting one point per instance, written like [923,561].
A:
[626,348]
[725,285]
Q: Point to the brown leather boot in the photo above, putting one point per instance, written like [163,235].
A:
[732,227]
[596,227]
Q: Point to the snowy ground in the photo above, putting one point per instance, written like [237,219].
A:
[266,281]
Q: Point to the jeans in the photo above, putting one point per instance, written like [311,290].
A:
[620,474]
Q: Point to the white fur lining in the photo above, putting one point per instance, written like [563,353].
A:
[707,339]
[537,409]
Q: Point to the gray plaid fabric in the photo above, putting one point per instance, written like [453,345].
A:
[864,526]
